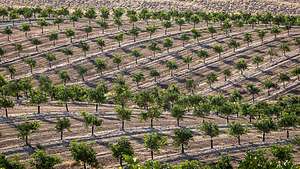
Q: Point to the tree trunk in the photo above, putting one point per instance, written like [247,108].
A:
[66,105]
[84,165]
[93,130]
[97,105]
[151,155]
[211,143]
[151,123]
[178,122]
[121,161]
[39,109]
[26,140]
[61,134]
[6,113]
[182,149]
[227,119]
[239,140]
[250,118]
[264,137]
[123,123]
[287,134]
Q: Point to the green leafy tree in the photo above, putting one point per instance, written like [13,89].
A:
[67,52]
[122,148]
[296,72]
[26,129]
[275,30]
[241,65]
[38,97]
[11,163]
[82,71]
[50,57]
[284,78]
[64,76]
[269,84]
[154,73]
[218,49]
[227,73]
[61,125]
[84,47]
[83,153]
[6,103]
[124,114]
[31,63]
[187,60]
[261,34]
[36,42]
[138,77]
[154,48]
[253,90]
[63,94]
[18,48]
[90,14]
[288,121]
[168,43]
[8,31]
[25,27]
[171,65]
[203,54]
[196,34]
[135,33]
[284,47]
[210,129]
[154,112]
[151,29]
[211,79]
[98,95]
[180,22]
[53,37]
[57,21]
[100,65]
[70,33]
[248,38]
[257,60]
[265,125]
[282,153]
[233,44]
[41,160]
[119,38]
[154,142]
[236,130]
[117,59]
[103,25]
[212,31]
[178,112]
[167,25]
[182,137]
[101,43]
[184,38]
[91,120]
[136,54]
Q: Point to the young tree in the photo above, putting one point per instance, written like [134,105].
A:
[136,54]
[67,52]
[166,25]
[182,137]
[168,43]
[261,34]
[91,120]
[36,42]
[123,114]
[135,33]
[8,31]
[18,48]
[119,38]
[284,47]
[241,65]
[154,48]
[212,31]
[195,19]
[74,18]
[70,33]
[210,129]
[154,73]
[42,23]
[57,21]
[122,148]
[117,59]
[196,34]
[218,49]
[180,22]
[98,95]
[248,38]
[227,109]
[236,130]
[53,37]
[184,38]
[10,163]
[257,60]
[211,79]
[269,84]
[178,112]
[154,142]
[61,125]
[296,72]
[227,73]
[253,90]
[154,112]
[151,29]
[265,126]
[187,60]
[90,14]
[25,27]
[233,44]
[138,77]
[26,129]
[101,43]
[171,65]
[50,57]
[288,121]
[64,76]
[272,53]
[202,54]
[38,97]
[190,85]
[82,71]
[103,25]
[6,103]
[283,77]
[63,94]
[282,153]
[100,65]
[31,63]
[84,47]
[83,153]
[275,30]
[41,160]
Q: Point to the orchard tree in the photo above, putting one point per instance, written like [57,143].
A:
[288,121]
[180,22]
[8,31]
[138,77]
[50,57]
[248,38]
[36,42]
[42,23]
[84,47]
[68,53]
[26,129]
[136,54]
[196,34]
[203,54]
[211,129]
[6,103]
[124,114]
[182,137]
[212,31]
[82,71]
[269,84]
[257,60]
[18,48]
[236,130]
[284,77]
[63,94]
[135,33]
[61,125]
[184,38]
[154,48]
[101,43]
[166,25]
[265,125]
[168,43]
[64,76]
[261,34]
[10,163]
[211,79]
[70,33]
[154,73]
[31,63]
[275,30]
[233,44]
[178,112]
[272,52]
[296,72]
[218,49]
[119,38]
[117,59]
[171,65]
[121,149]
[188,60]
[98,95]
[103,25]
[100,65]
[284,47]
[38,97]
[241,65]
[53,37]
[41,160]
[91,120]
[83,153]
[253,90]
[90,14]
[57,21]
[227,73]
[154,141]
[154,112]
[25,27]
[2,52]
[151,29]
